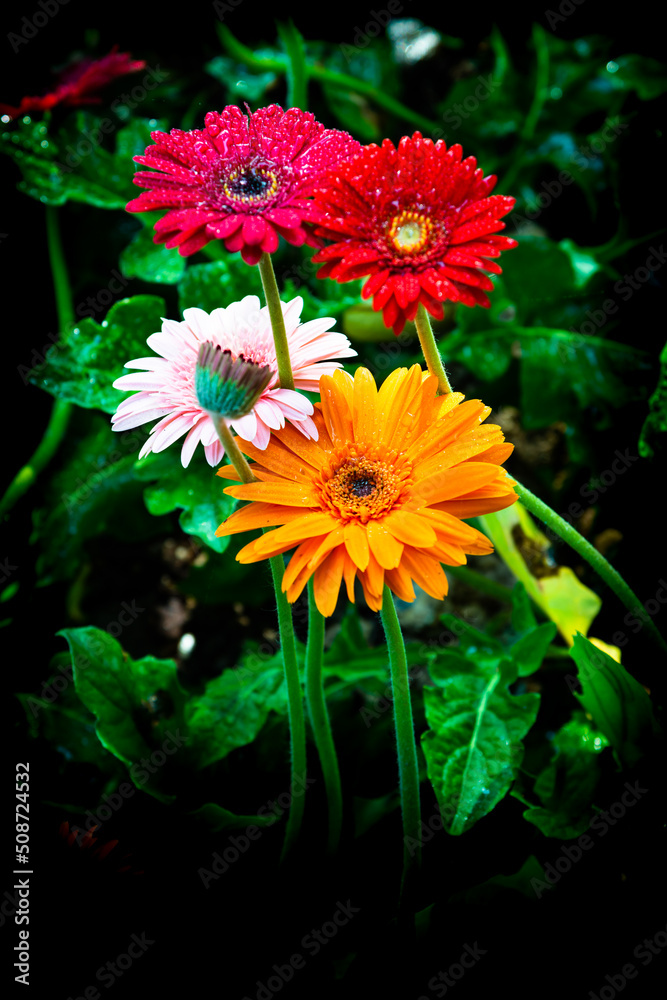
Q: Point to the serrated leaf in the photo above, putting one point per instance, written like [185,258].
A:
[472,747]
[216,285]
[566,787]
[234,707]
[117,689]
[82,366]
[92,493]
[196,491]
[151,261]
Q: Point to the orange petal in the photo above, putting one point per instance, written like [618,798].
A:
[450,483]
[409,528]
[349,575]
[398,411]
[335,410]
[258,515]
[386,549]
[290,494]
[426,572]
[399,581]
[363,414]
[286,537]
[300,559]
[454,424]
[327,580]
[356,543]
[475,508]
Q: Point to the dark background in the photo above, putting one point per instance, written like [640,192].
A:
[227,937]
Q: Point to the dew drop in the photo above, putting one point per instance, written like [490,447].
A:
[105,322]
[44,143]
[612,67]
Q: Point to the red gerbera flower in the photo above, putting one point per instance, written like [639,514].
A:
[244,180]
[79,83]
[418,220]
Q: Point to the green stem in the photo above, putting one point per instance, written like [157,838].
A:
[60,414]
[319,719]
[297,722]
[232,450]
[272,296]
[535,110]
[297,70]
[408,768]
[605,570]
[430,349]
[245,55]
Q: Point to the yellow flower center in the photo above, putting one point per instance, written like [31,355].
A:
[356,487]
[251,184]
[409,232]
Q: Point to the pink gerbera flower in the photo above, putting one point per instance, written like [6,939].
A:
[79,83]
[243,179]
[167,382]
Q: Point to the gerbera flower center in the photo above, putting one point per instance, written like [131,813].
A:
[361,488]
[409,232]
[250,184]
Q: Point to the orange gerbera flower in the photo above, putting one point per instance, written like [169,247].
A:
[381,493]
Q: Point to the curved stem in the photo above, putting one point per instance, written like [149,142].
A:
[297,722]
[245,55]
[272,296]
[319,719]
[430,349]
[60,414]
[605,570]
[232,450]
[408,768]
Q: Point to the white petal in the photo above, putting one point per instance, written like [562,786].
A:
[262,437]
[246,427]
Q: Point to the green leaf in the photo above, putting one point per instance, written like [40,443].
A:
[473,745]
[216,285]
[216,819]
[235,706]
[239,83]
[93,493]
[151,261]
[647,77]
[619,705]
[73,163]
[119,692]
[566,787]
[65,723]
[82,366]
[196,490]
[652,438]
[529,651]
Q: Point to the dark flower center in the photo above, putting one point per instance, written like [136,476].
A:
[363,486]
[251,184]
